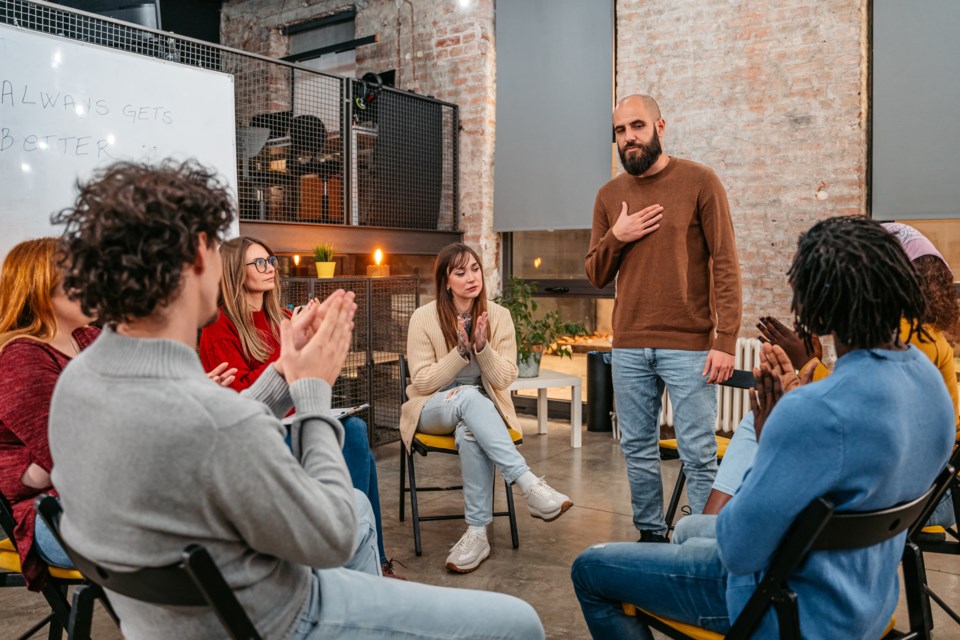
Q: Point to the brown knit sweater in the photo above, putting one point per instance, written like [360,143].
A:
[669,294]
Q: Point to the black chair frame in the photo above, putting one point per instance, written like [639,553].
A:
[820,528]
[194,581]
[949,546]
[408,472]
[54,591]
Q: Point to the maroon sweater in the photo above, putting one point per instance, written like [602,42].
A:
[679,287]
[220,342]
[31,369]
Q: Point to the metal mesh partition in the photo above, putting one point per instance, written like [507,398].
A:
[307,151]
[371,373]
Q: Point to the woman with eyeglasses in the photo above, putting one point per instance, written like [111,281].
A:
[247,336]
[41,330]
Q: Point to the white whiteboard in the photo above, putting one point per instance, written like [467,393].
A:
[68,108]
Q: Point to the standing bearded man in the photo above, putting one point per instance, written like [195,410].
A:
[663,230]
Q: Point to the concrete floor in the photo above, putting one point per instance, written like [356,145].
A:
[539,571]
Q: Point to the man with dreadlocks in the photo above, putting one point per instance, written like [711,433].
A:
[872,435]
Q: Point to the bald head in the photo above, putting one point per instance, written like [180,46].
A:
[645,102]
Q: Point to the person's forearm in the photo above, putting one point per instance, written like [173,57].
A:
[272,390]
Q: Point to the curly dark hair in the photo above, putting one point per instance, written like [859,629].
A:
[131,231]
[851,277]
[936,280]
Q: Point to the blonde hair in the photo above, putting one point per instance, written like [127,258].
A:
[30,276]
[233,256]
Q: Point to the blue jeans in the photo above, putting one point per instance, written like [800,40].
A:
[743,449]
[684,582]
[482,440]
[363,469]
[355,602]
[352,605]
[639,376]
[47,546]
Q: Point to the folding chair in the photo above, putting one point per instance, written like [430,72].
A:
[194,581]
[820,528]
[424,444]
[949,544]
[55,589]
[669,451]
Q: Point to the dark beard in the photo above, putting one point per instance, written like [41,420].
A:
[637,164]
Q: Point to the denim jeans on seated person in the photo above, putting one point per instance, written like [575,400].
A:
[684,582]
[47,546]
[482,440]
[743,449]
[639,376]
[354,602]
[362,467]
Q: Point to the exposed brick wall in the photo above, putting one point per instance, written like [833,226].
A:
[438,48]
[770,95]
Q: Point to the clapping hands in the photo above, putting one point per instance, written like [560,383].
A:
[479,335]
[314,343]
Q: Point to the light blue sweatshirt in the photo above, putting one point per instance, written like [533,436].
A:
[874,434]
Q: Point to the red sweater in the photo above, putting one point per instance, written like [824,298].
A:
[32,369]
[220,342]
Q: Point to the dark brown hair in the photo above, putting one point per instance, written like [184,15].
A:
[132,230]
[455,256]
[936,281]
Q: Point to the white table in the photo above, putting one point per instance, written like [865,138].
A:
[544,381]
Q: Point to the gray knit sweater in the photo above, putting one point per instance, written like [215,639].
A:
[151,456]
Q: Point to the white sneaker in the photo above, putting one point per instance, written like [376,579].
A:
[545,502]
[468,553]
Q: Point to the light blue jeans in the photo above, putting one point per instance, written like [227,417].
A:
[354,602]
[681,581]
[482,440]
[47,546]
[639,376]
[743,449]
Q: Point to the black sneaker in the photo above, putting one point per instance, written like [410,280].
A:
[650,536]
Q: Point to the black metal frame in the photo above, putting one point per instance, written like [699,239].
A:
[950,545]
[820,528]
[667,453]
[54,591]
[194,581]
[407,470]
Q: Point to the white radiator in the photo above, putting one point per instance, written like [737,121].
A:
[732,404]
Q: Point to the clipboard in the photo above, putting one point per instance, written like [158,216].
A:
[338,412]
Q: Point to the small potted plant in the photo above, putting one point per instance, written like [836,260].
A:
[324,256]
[535,335]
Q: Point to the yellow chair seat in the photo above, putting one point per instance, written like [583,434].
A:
[687,629]
[6,545]
[936,530]
[702,634]
[449,443]
[10,561]
[721,445]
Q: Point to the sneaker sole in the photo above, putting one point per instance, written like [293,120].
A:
[455,569]
[550,518]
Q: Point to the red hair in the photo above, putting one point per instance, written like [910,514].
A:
[30,276]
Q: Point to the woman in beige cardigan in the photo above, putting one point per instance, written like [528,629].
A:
[463,352]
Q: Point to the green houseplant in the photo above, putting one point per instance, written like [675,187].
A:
[535,334]
[323,253]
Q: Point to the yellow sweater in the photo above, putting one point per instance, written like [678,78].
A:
[433,366]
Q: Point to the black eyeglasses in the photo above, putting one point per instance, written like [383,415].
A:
[261,263]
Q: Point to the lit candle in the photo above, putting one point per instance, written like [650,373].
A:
[378,270]
[296,264]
